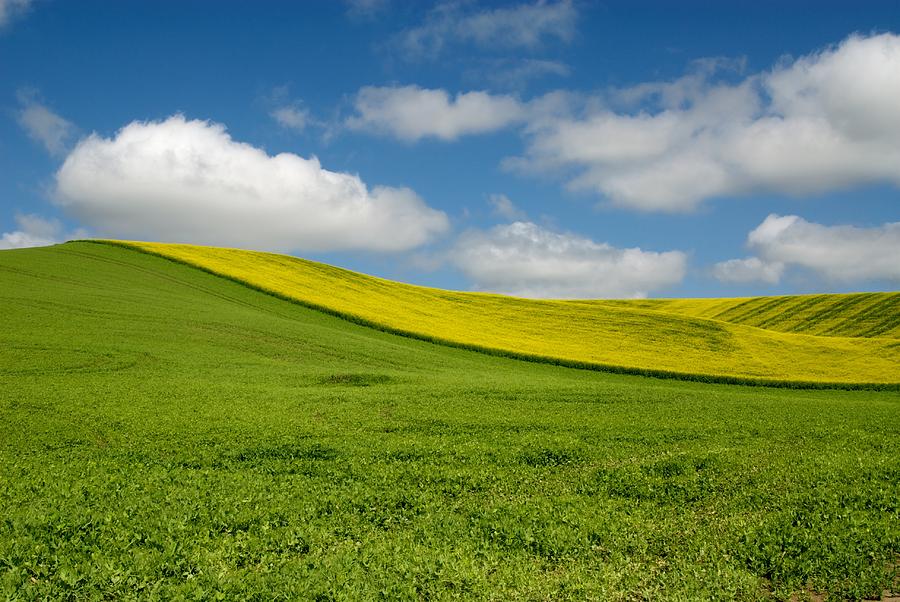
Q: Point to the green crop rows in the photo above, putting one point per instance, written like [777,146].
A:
[165,433]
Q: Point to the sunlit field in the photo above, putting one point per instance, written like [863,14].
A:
[166,433]
[704,339]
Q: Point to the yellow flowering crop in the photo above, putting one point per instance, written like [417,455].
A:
[732,340]
[847,315]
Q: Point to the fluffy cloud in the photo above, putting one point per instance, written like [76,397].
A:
[836,253]
[189,181]
[9,8]
[411,113]
[43,125]
[523,26]
[34,231]
[526,260]
[826,121]
[844,253]
[748,270]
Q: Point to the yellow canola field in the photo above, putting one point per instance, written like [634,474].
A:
[674,337]
[848,315]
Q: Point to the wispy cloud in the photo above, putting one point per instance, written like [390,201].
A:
[288,112]
[519,27]
[11,8]
[291,117]
[502,206]
[517,73]
[44,126]
[366,9]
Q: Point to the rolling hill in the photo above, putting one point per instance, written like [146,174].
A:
[867,315]
[768,340]
[166,433]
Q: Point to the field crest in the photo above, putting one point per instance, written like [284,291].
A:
[726,340]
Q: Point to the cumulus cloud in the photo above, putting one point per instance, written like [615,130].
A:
[526,260]
[33,231]
[826,121]
[502,206]
[411,113]
[748,270]
[10,8]
[189,181]
[837,253]
[41,124]
[518,27]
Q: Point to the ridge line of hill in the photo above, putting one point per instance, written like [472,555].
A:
[526,356]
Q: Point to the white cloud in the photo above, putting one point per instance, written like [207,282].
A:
[524,259]
[411,113]
[826,121]
[43,125]
[289,113]
[518,27]
[291,117]
[20,239]
[188,181]
[837,253]
[748,270]
[34,231]
[10,8]
[502,206]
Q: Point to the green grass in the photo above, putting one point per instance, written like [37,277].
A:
[635,337]
[165,433]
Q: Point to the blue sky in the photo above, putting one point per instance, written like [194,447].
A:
[539,148]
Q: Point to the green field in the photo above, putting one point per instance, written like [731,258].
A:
[168,433]
[713,340]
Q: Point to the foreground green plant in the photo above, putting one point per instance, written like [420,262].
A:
[166,433]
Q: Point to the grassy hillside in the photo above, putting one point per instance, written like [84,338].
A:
[635,337]
[168,434]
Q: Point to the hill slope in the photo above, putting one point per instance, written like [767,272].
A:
[654,338]
[865,315]
[169,434]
